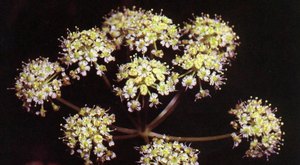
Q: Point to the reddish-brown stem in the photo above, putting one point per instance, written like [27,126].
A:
[124,130]
[166,112]
[190,139]
[123,137]
[106,81]
[68,104]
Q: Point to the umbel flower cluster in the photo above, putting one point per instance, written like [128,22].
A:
[257,123]
[88,133]
[209,48]
[142,77]
[86,48]
[161,151]
[39,82]
[140,30]
[202,49]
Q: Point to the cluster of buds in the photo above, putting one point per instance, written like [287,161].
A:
[88,132]
[209,47]
[161,151]
[85,48]
[140,29]
[145,77]
[257,122]
[39,81]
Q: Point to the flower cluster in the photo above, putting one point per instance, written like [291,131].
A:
[140,29]
[257,123]
[209,47]
[145,77]
[39,82]
[88,132]
[85,48]
[161,151]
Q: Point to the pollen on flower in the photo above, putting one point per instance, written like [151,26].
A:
[257,122]
[40,81]
[208,49]
[162,151]
[88,134]
[141,30]
[145,79]
[87,48]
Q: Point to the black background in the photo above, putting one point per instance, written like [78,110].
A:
[266,66]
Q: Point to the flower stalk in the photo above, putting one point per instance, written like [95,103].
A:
[192,139]
[68,104]
[166,112]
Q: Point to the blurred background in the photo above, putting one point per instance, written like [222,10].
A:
[267,66]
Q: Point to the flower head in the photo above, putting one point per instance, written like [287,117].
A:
[257,123]
[213,34]
[161,151]
[146,78]
[39,81]
[140,29]
[88,133]
[86,48]
[208,50]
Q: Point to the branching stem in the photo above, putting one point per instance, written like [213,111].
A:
[166,112]
[191,139]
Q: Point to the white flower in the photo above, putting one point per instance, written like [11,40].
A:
[216,80]
[203,74]
[189,81]
[101,69]
[134,105]
[163,88]
[83,67]
[154,101]
[129,91]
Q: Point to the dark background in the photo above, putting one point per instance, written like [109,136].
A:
[266,66]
